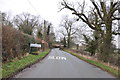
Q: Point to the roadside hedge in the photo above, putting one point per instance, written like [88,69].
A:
[15,44]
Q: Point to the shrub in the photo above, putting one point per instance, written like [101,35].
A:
[15,44]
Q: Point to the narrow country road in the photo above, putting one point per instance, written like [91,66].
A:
[60,64]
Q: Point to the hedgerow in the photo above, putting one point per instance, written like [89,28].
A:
[15,44]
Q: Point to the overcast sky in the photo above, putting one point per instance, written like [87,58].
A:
[47,9]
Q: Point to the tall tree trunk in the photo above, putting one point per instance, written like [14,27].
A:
[68,40]
[105,49]
[68,44]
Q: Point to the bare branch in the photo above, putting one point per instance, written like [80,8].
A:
[97,9]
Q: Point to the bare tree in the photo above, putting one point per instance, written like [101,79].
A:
[26,22]
[6,20]
[104,15]
[70,30]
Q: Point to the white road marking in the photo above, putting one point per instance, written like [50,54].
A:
[57,57]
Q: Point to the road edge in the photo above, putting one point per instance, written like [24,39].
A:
[27,66]
[74,54]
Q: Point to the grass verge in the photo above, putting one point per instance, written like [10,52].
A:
[98,64]
[11,68]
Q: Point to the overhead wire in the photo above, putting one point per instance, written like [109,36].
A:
[32,6]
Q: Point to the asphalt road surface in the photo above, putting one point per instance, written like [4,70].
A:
[60,64]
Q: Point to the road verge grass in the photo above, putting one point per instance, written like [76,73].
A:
[11,68]
[98,64]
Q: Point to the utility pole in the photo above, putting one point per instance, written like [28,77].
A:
[44,33]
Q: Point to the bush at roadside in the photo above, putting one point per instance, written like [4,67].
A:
[15,44]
